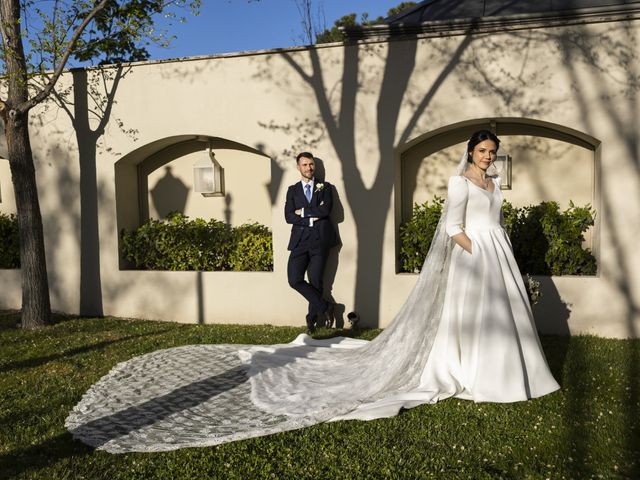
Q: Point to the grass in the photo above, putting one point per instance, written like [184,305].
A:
[589,429]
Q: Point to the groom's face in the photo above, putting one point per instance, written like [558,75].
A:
[306,167]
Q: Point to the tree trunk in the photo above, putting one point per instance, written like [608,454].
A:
[36,309]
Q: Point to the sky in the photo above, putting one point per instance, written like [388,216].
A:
[225,26]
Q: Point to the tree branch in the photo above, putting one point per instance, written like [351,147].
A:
[44,93]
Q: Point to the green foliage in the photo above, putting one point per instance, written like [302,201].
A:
[121,32]
[400,8]
[334,34]
[9,242]
[588,429]
[546,241]
[253,248]
[178,243]
[417,233]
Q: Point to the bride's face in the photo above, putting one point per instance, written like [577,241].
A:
[484,154]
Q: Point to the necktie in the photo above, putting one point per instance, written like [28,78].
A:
[307,192]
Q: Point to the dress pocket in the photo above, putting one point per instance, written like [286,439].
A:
[474,248]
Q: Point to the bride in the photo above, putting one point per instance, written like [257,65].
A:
[465,331]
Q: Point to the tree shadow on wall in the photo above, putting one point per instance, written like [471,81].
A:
[369,201]
[333,260]
[90,103]
[603,91]
[597,80]
[521,91]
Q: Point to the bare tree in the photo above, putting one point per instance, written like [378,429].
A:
[311,22]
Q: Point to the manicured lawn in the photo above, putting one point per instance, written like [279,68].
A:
[590,429]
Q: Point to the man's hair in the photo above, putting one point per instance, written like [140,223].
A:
[308,155]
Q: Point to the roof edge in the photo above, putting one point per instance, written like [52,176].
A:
[495,23]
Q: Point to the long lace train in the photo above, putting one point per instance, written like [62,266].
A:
[202,395]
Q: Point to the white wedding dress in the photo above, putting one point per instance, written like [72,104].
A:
[486,347]
[466,331]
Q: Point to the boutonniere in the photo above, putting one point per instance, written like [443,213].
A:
[319,187]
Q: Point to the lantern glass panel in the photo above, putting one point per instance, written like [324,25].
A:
[208,176]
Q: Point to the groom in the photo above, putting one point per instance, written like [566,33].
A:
[307,209]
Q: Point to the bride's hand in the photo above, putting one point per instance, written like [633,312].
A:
[464,241]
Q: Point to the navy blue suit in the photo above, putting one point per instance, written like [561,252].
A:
[309,245]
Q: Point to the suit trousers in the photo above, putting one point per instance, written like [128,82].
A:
[308,257]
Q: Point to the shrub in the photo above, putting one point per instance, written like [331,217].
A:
[9,242]
[546,241]
[253,248]
[178,243]
[417,233]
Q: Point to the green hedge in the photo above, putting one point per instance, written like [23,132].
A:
[417,233]
[546,241]
[178,243]
[9,242]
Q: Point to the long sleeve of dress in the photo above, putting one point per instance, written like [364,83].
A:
[457,194]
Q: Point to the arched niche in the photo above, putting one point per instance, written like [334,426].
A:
[549,162]
[157,178]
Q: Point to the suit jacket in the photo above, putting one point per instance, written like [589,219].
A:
[323,231]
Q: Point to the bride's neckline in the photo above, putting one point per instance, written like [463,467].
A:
[479,187]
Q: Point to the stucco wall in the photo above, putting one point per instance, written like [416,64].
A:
[7,200]
[358,108]
[246,199]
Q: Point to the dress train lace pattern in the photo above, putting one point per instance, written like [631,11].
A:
[191,396]
[201,395]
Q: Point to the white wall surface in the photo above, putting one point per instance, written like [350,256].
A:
[358,108]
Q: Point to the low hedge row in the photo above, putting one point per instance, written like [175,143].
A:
[178,243]
[546,240]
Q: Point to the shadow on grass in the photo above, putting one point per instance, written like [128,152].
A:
[632,408]
[35,362]
[10,319]
[42,455]
[596,387]
[556,349]
[583,366]
[577,410]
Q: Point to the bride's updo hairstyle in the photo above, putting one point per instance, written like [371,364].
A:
[476,138]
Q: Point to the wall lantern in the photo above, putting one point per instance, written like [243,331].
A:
[208,175]
[503,168]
